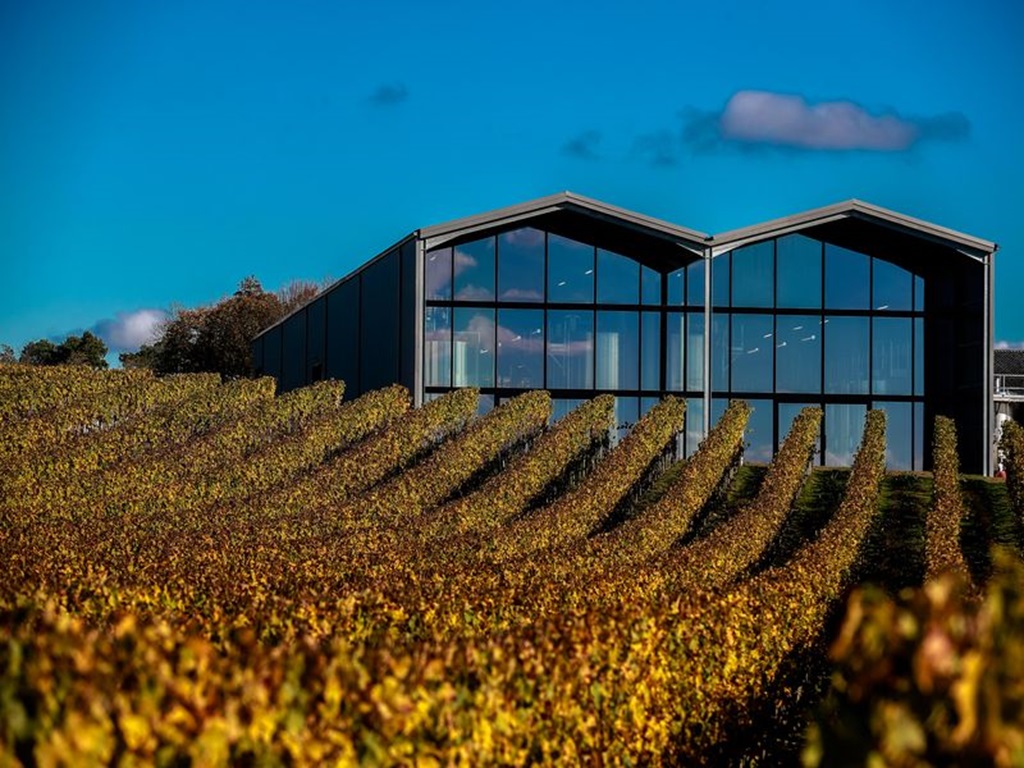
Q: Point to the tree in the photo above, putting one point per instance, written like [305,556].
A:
[7,354]
[41,352]
[87,349]
[217,338]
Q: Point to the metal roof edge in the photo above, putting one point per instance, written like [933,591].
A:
[561,200]
[854,207]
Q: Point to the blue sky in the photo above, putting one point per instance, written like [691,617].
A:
[154,154]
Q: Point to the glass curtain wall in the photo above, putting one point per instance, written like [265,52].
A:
[531,309]
[799,322]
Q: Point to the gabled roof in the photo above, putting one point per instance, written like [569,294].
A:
[563,201]
[855,209]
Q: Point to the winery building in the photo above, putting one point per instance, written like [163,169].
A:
[847,307]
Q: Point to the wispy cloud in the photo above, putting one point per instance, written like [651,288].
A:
[583,146]
[127,331]
[389,94]
[1009,345]
[660,148]
[764,118]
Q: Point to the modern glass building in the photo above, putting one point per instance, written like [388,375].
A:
[848,307]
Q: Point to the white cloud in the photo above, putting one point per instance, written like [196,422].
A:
[1010,345]
[127,331]
[788,120]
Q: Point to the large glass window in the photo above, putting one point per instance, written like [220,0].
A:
[918,293]
[473,348]
[474,270]
[694,425]
[899,434]
[798,353]
[521,265]
[720,352]
[570,270]
[618,279]
[627,411]
[650,285]
[676,287]
[799,265]
[675,352]
[562,407]
[438,278]
[892,356]
[650,353]
[753,275]
[618,350]
[570,349]
[694,351]
[520,353]
[893,287]
[695,284]
[437,347]
[844,426]
[847,278]
[720,281]
[758,435]
[918,436]
[847,345]
[752,353]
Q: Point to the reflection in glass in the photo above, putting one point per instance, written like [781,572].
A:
[570,270]
[918,356]
[752,342]
[520,350]
[521,265]
[891,356]
[695,284]
[719,352]
[675,351]
[847,278]
[694,425]
[753,275]
[846,355]
[918,293]
[646,403]
[694,352]
[474,270]
[844,426]
[438,274]
[473,348]
[650,286]
[798,353]
[893,287]
[618,279]
[758,434]
[437,346]
[484,404]
[899,435]
[650,353]
[788,412]
[570,349]
[799,265]
[676,287]
[618,350]
[562,407]
[720,281]
[627,411]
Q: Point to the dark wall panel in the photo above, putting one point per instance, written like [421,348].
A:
[257,356]
[316,315]
[408,316]
[379,324]
[272,353]
[293,373]
[342,338]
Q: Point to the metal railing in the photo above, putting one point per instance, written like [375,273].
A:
[1009,385]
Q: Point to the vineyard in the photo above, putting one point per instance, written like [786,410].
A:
[204,573]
